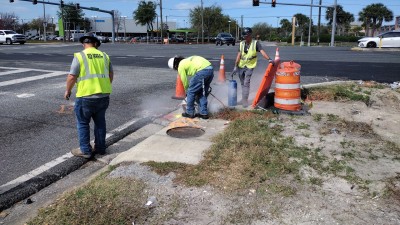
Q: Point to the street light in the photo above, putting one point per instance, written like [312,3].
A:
[94,20]
[124,27]
[229,22]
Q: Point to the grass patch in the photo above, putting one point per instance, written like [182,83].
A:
[102,201]
[303,126]
[252,154]
[338,93]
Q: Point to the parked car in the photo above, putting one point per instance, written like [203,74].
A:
[10,37]
[389,39]
[225,38]
[103,39]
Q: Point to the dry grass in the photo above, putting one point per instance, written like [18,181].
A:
[102,201]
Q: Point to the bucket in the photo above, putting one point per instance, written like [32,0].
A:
[232,93]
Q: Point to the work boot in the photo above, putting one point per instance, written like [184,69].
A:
[202,116]
[188,115]
[79,153]
[95,151]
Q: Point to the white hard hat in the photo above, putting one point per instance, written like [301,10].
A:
[171,63]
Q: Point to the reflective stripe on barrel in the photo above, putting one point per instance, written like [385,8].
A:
[287,87]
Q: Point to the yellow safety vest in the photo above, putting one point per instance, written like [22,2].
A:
[94,73]
[250,59]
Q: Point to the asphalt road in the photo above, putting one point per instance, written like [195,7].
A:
[37,125]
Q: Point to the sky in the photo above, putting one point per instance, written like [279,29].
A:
[178,10]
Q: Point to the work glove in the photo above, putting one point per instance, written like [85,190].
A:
[272,62]
[234,71]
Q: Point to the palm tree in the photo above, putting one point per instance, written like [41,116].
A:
[343,18]
[145,14]
[286,26]
[373,16]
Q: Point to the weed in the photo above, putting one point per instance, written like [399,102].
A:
[373,157]
[332,117]
[316,181]
[303,126]
[317,117]
[349,155]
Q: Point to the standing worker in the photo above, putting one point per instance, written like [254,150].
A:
[246,61]
[92,72]
[199,85]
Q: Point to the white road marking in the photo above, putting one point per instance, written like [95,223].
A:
[121,57]
[25,95]
[132,55]
[14,71]
[148,58]
[55,162]
[37,171]
[26,79]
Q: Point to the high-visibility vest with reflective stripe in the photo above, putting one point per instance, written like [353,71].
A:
[250,59]
[94,73]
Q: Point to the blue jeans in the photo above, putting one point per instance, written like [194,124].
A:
[199,86]
[85,110]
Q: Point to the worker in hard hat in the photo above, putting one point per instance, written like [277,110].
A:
[202,73]
[246,61]
[92,74]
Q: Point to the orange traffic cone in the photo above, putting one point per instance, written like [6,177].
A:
[277,54]
[180,93]
[221,77]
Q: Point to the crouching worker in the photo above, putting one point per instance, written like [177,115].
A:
[202,74]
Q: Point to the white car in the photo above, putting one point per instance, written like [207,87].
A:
[389,39]
[9,37]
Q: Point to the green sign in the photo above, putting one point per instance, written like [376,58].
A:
[60,28]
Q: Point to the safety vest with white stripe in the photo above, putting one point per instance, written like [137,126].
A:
[94,73]
[248,59]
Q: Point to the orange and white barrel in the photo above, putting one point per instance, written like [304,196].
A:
[287,87]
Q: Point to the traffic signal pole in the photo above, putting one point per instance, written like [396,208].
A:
[87,8]
[334,6]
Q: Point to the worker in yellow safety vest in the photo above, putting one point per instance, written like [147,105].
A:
[201,73]
[92,72]
[246,61]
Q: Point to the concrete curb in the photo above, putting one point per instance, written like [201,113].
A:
[376,49]
[35,184]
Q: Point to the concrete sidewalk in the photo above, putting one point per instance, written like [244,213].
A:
[162,147]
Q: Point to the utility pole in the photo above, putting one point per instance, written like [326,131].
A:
[202,23]
[319,22]
[162,25]
[44,22]
[334,25]
[309,25]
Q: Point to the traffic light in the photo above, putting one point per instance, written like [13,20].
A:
[62,4]
[11,1]
[77,6]
[256,2]
[273,3]
[34,2]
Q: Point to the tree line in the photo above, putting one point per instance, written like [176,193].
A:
[214,21]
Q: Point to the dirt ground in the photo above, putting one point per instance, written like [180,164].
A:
[365,137]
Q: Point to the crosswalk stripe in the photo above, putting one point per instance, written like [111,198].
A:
[14,71]
[26,79]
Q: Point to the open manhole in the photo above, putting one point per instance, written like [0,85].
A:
[185,132]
